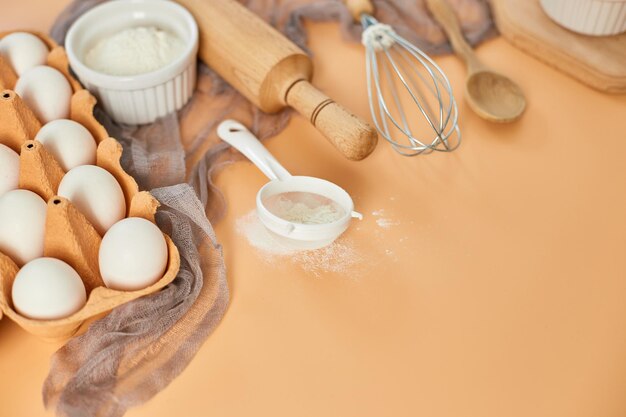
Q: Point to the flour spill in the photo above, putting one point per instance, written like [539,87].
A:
[384,222]
[338,257]
[259,237]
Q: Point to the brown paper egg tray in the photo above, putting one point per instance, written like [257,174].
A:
[69,235]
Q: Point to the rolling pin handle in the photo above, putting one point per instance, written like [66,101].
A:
[354,138]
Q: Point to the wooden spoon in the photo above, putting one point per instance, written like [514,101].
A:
[492,96]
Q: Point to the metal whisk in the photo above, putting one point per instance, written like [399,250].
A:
[400,74]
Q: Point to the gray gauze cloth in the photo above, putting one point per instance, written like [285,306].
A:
[134,352]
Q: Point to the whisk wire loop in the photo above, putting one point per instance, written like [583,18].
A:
[393,64]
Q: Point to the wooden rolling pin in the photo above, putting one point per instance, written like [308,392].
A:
[272,72]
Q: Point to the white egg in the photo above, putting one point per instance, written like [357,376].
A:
[46,91]
[48,289]
[133,255]
[22,225]
[95,193]
[9,169]
[23,51]
[69,142]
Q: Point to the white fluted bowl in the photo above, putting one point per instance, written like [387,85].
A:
[136,99]
[589,17]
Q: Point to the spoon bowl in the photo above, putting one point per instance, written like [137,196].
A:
[494,97]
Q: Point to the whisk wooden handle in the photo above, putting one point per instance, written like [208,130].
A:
[359,7]
[443,13]
[354,138]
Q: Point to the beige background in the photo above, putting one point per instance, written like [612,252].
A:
[499,290]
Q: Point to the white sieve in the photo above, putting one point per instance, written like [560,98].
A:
[292,234]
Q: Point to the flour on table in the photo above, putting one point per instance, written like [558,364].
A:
[338,257]
[384,222]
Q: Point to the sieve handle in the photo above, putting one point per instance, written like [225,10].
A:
[240,138]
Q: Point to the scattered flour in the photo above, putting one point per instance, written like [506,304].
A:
[259,237]
[339,257]
[134,51]
[384,222]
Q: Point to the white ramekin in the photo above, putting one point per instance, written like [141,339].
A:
[590,17]
[136,99]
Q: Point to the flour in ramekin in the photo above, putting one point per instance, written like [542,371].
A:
[134,51]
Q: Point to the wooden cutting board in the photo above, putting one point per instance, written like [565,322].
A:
[599,62]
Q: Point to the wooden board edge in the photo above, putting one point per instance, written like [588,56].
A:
[514,34]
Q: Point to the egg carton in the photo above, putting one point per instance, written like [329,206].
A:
[69,236]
